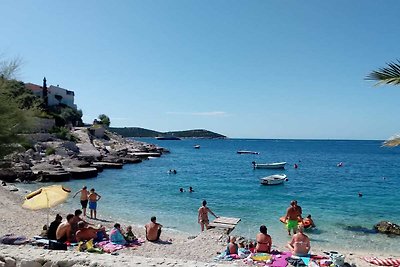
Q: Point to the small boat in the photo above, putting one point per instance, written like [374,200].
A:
[275,165]
[274,179]
[197,146]
[247,152]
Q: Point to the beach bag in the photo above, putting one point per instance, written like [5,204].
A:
[336,258]
[57,245]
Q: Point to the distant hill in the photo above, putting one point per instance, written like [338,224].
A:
[141,132]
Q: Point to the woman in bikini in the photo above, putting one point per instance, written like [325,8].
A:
[300,243]
[264,241]
[203,215]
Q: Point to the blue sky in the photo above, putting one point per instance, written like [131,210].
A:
[256,69]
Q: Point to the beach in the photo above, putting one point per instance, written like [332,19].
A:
[184,250]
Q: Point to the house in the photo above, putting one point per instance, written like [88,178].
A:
[53,95]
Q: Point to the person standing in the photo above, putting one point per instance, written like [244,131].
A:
[299,210]
[153,230]
[292,217]
[93,198]
[203,215]
[264,241]
[84,198]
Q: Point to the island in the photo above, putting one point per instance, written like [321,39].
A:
[141,132]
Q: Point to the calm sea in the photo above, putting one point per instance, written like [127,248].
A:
[232,188]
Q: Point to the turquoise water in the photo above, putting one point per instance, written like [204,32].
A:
[231,187]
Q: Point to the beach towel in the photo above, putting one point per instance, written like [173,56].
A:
[110,247]
[383,262]
[11,239]
[279,260]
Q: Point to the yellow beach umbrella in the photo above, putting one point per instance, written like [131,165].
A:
[46,197]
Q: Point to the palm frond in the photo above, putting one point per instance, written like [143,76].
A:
[386,75]
[393,141]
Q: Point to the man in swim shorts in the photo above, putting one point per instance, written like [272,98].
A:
[292,217]
[153,230]
[93,198]
[64,233]
[84,198]
[203,215]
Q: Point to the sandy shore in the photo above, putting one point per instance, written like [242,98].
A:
[184,250]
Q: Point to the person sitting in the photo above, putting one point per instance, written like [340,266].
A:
[51,233]
[63,233]
[300,243]
[44,232]
[116,235]
[308,222]
[85,233]
[264,241]
[129,235]
[153,230]
[232,247]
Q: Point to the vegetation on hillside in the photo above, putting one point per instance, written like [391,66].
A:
[19,106]
[141,132]
[387,75]
[104,119]
[16,110]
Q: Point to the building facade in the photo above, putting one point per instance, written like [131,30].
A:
[53,95]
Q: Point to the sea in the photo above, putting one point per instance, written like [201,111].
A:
[232,188]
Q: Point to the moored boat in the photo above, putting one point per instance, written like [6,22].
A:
[247,152]
[275,165]
[197,146]
[274,179]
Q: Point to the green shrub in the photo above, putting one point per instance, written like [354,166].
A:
[63,133]
[50,151]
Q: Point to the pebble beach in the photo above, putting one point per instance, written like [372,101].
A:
[184,250]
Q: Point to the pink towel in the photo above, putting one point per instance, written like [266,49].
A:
[280,259]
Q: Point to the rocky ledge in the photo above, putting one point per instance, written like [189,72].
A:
[53,159]
[387,227]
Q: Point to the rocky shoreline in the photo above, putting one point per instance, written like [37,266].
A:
[52,159]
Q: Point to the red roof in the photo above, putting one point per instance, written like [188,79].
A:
[33,87]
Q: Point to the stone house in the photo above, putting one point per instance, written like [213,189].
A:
[53,95]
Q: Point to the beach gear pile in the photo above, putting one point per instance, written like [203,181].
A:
[285,258]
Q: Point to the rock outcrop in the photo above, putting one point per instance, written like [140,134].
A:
[387,227]
[53,159]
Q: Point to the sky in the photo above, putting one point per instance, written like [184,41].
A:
[245,69]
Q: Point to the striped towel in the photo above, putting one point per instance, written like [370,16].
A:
[383,262]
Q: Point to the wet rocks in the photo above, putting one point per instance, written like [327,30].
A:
[387,227]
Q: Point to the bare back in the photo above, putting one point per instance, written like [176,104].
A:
[203,213]
[264,242]
[64,231]
[300,243]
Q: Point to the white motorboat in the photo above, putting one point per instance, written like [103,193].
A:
[274,179]
[197,146]
[248,152]
[275,165]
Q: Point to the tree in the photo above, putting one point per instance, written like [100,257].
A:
[13,121]
[104,119]
[387,75]
[15,114]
